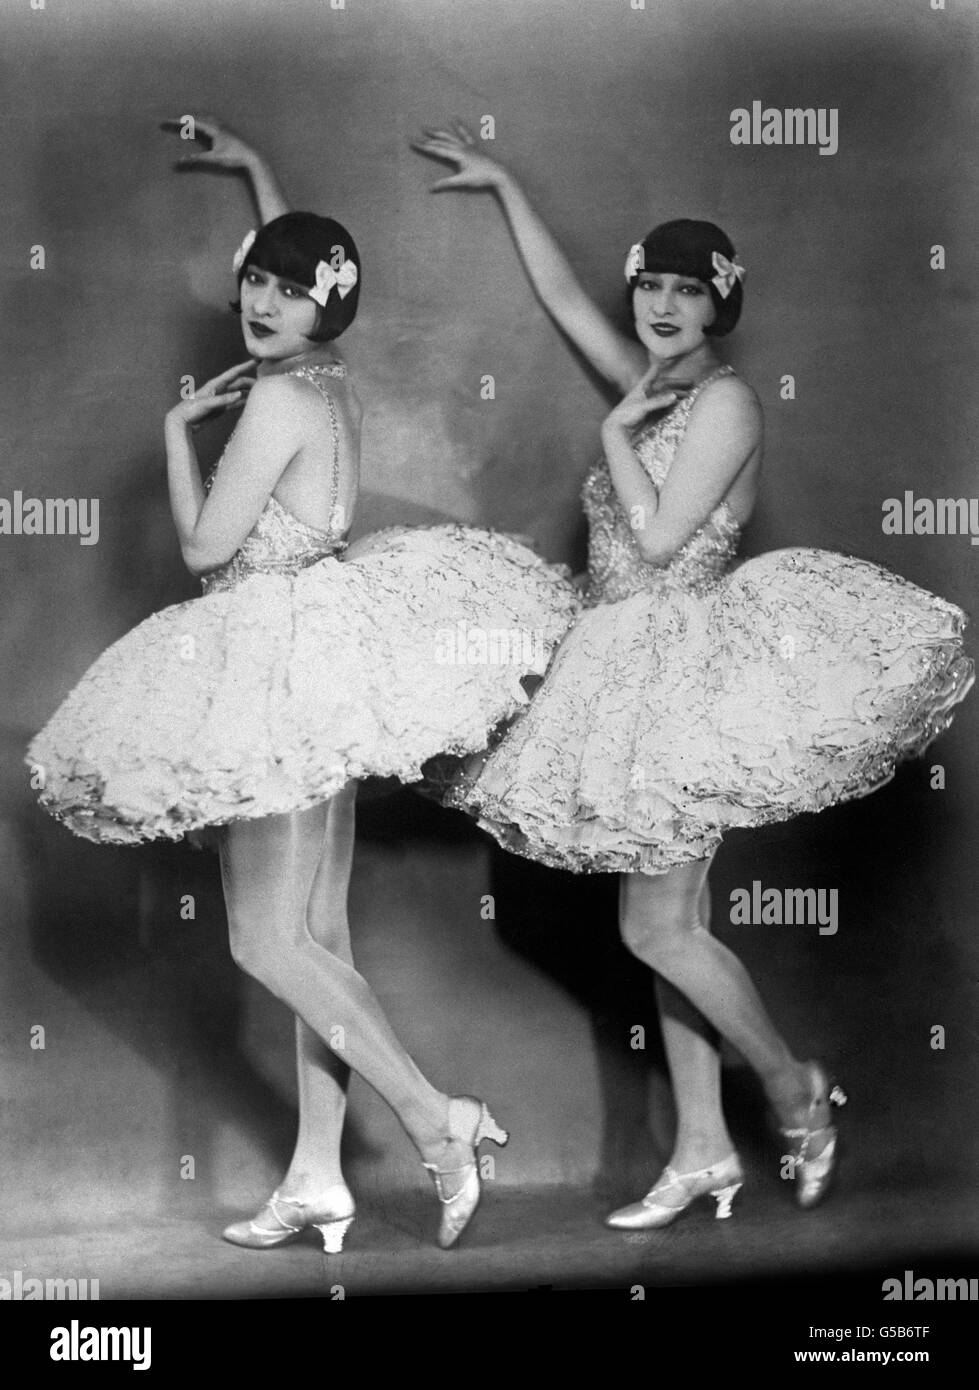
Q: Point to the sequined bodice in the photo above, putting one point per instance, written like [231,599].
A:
[616,569]
[279,543]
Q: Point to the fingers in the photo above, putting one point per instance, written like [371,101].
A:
[236,370]
[204,127]
[439,149]
[229,398]
[223,379]
[658,400]
[436,150]
[463,131]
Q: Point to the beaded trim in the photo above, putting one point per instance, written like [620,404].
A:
[314,375]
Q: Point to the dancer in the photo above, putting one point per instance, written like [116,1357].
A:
[256,706]
[691,696]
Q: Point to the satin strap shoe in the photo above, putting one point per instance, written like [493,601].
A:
[813,1150]
[470,1122]
[282,1219]
[674,1192]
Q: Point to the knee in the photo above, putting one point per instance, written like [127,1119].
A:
[643,938]
[250,951]
[658,925]
[328,927]
[660,944]
[244,954]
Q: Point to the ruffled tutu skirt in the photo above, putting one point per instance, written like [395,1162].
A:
[271,696]
[801,681]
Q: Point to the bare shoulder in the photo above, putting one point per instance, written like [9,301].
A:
[299,399]
[729,399]
[281,392]
[731,391]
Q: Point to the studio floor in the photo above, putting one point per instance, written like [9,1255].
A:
[551,1238]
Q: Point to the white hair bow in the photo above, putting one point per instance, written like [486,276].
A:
[326,277]
[634,260]
[728,273]
[243,250]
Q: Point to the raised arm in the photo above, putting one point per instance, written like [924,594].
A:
[227,151]
[618,358]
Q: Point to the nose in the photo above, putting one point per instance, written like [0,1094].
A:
[663,303]
[265,300]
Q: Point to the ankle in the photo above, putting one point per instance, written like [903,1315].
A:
[450,1143]
[431,1133]
[789,1090]
[692,1152]
[796,1099]
[305,1187]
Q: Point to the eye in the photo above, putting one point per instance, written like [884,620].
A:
[695,288]
[252,277]
[293,292]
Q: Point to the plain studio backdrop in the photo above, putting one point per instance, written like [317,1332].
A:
[614,118]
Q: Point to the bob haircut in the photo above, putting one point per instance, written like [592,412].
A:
[291,247]
[685,247]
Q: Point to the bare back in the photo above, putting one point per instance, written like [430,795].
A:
[306,485]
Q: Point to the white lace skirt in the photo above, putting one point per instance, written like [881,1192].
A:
[801,681]
[271,696]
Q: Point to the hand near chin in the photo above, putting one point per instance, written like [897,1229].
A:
[459,146]
[223,149]
[227,391]
[648,395]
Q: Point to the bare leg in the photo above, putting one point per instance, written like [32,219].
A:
[269,869]
[322,1076]
[661,924]
[693,1053]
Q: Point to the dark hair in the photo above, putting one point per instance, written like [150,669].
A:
[292,246]
[685,247]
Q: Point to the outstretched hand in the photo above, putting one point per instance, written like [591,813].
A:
[459,146]
[224,150]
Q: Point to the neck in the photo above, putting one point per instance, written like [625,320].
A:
[692,366]
[317,355]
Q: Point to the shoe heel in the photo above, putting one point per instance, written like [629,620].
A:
[333,1233]
[489,1129]
[724,1197]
